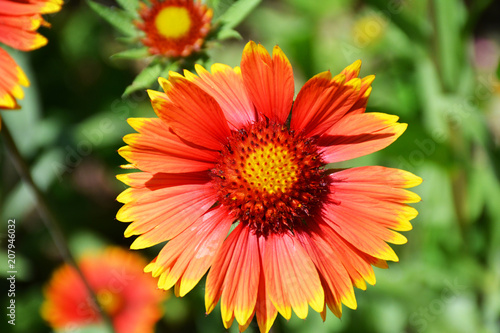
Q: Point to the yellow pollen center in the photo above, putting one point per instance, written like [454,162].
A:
[270,169]
[109,301]
[270,177]
[173,22]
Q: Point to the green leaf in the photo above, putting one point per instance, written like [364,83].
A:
[173,66]
[126,40]
[498,71]
[116,17]
[219,7]
[145,78]
[132,54]
[131,6]
[226,33]
[449,19]
[237,13]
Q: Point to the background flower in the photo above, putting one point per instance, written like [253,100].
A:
[172,34]
[19,21]
[174,28]
[125,293]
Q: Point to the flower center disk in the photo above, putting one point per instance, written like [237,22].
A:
[173,22]
[109,301]
[270,177]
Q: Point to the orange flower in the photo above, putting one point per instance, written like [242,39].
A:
[232,149]
[130,297]
[174,28]
[19,21]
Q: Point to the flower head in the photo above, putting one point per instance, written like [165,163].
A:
[174,28]
[232,149]
[170,34]
[19,21]
[128,296]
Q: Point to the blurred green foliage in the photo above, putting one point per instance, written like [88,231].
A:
[436,66]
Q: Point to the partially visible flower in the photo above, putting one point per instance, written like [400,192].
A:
[233,153]
[174,28]
[128,296]
[19,21]
[12,78]
[170,34]
[368,30]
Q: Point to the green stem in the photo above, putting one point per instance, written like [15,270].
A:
[48,217]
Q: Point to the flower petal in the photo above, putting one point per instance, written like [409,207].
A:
[163,205]
[363,214]
[336,280]
[322,102]
[192,113]
[30,7]
[352,71]
[29,22]
[269,81]
[357,263]
[13,78]
[292,277]
[359,134]
[225,85]
[265,311]
[241,268]
[364,94]
[21,39]
[186,258]
[393,214]
[156,148]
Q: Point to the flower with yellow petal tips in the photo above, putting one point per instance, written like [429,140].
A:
[19,21]
[128,296]
[233,176]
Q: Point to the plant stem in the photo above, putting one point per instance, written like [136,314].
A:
[48,217]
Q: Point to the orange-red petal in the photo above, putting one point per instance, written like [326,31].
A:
[23,40]
[269,81]
[364,213]
[322,102]
[19,21]
[265,311]
[186,258]
[160,206]
[156,148]
[191,113]
[357,135]
[291,276]
[336,280]
[225,85]
[357,263]
[14,8]
[234,277]
[12,78]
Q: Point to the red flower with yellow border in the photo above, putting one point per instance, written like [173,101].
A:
[19,21]
[174,28]
[129,297]
[231,149]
